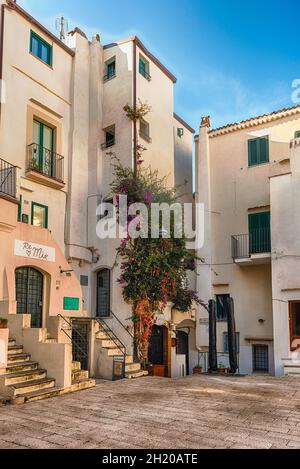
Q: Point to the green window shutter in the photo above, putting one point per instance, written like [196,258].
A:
[297,134]
[258,151]
[259,232]
[20,209]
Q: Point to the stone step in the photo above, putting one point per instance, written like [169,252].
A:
[110,344]
[102,335]
[81,385]
[18,358]
[24,376]
[32,386]
[128,359]
[20,367]
[79,375]
[111,352]
[49,340]
[136,374]
[130,367]
[41,394]
[14,349]
[11,342]
[76,366]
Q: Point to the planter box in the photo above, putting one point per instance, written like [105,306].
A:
[3,347]
[157,370]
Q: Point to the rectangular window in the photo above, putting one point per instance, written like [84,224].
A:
[259,232]
[144,68]
[43,152]
[237,339]
[258,151]
[40,48]
[39,215]
[297,134]
[180,132]
[110,69]
[222,307]
[261,358]
[145,130]
[109,137]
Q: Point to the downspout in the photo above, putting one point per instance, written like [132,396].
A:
[134,107]
[3,7]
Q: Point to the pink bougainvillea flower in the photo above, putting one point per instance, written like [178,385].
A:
[139,162]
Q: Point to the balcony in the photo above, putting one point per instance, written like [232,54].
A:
[8,200]
[45,166]
[8,175]
[252,248]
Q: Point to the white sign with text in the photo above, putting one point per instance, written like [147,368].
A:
[34,251]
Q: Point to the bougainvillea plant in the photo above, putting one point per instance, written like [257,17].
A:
[153,270]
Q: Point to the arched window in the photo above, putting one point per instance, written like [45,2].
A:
[103,293]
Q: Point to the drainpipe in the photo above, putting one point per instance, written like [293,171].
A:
[134,107]
[3,7]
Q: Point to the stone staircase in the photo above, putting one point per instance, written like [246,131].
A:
[292,365]
[25,381]
[114,348]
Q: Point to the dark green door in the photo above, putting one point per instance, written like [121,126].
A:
[259,232]
[29,294]
[103,293]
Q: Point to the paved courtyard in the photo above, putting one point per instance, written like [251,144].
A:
[193,412]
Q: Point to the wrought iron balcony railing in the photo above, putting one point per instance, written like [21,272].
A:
[8,175]
[108,144]
[109,75]
[45,161]
[256,242]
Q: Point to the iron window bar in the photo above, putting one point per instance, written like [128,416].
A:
[73,341]
[108,144]
[108,76]
[45,161]
[8,174]
[145,74]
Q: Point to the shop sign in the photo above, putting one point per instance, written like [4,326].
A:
[34,251]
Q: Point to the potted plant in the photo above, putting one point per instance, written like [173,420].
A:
[3,323]
[222,368]
[197,370]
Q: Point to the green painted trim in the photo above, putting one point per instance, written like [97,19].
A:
[35,204]
[20,209]
[40,40]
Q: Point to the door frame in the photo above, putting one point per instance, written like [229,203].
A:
[109,291]
[44,292]
[292,336]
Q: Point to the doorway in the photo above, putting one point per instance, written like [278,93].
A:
[294,319]
[29,294]
[156,346]
[103,293]
[183,348]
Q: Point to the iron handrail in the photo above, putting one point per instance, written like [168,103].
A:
[71,337]
[112,335]
[123,326]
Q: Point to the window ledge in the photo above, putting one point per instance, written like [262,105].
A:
[45,180]
[105,80]
[258,164]
[9,198]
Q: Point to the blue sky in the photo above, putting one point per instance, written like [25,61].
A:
[233,59]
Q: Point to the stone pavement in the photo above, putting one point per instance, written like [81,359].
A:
[193,412]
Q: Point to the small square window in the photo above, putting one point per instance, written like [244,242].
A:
[39,215]
[145,130]
[144,68]
[222,307]
[110,69]
[40,48]
[258,151]
[180,132]
[297,134]
[109,137]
